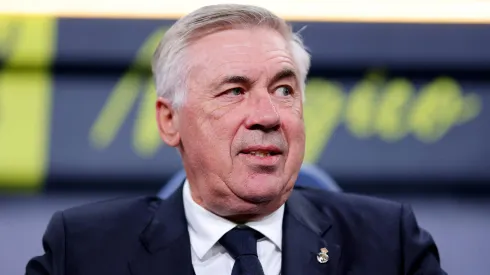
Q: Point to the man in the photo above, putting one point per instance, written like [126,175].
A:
[230,81]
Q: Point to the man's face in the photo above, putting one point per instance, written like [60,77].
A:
[241,126]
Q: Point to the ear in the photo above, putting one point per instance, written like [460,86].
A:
[168,123]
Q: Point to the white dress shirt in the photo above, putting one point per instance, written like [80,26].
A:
[206,228]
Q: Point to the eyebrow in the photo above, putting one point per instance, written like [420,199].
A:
[244,80]
[284,74]
[235,79]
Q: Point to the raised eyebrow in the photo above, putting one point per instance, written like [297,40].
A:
[235,79]
[284,74]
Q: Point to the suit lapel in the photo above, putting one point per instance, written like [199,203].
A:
[305,231]
[165,242]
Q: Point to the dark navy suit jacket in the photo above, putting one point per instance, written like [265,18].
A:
[148,236]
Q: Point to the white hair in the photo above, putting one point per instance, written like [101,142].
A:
[169,67]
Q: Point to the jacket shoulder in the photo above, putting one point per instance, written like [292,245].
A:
[365,225]
[119,213]
[377,233]
[355,209]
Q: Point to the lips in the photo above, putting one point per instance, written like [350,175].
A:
[262,151]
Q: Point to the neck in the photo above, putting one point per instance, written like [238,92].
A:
[244,218]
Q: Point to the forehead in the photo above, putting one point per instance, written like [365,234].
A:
[256,51]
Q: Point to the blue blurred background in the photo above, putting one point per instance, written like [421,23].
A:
[398,110]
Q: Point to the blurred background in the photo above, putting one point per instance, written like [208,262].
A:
[397,107]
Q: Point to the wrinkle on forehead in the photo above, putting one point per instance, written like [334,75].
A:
[237,42]
[254,53]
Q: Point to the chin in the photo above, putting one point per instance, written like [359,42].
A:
[259,198]
[261,191]
[245,204]
[243,211]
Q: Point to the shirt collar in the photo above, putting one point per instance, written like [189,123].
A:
[206,228]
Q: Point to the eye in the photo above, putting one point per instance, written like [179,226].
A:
[235,91]
[284,91]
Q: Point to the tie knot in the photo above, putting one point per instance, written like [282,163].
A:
[241,241]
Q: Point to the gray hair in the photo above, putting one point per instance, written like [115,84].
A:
[168,64]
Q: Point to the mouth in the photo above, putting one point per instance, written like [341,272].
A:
[262,157]
[262,151]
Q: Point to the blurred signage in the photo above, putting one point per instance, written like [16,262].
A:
[390,109]
[25,98]
[75,108]
[455,11]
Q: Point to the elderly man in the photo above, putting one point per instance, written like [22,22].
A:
[230,81]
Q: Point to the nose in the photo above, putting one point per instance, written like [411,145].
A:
[263,115]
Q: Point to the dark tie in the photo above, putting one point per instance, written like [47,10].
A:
[241,243]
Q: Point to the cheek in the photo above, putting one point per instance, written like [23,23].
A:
[220,130]
[298,138]
[292,120]
[225,122]
[297,108]
[295,134]
[299,124]
[213,131]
